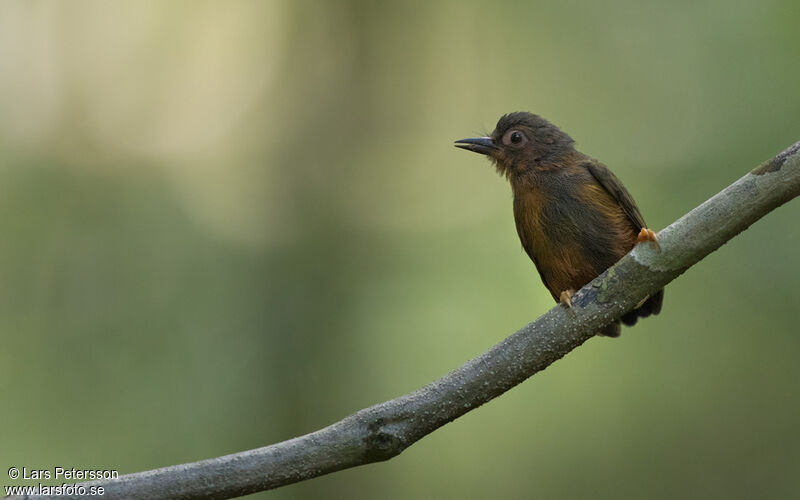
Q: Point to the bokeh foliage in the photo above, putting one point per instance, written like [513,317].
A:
[229,223]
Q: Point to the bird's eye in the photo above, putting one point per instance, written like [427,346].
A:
[515,137]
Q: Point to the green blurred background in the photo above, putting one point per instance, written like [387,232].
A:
[225,224]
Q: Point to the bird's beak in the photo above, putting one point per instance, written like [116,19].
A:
[482,145]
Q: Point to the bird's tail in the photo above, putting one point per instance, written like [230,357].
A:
[651,306]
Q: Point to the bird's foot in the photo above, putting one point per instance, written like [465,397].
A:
[566,297]
[648,235]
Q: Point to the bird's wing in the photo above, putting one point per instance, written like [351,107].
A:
[614,187]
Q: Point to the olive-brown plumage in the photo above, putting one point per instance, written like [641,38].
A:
[574,217]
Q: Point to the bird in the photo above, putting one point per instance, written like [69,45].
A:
[574,217]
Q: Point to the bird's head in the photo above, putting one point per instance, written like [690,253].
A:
[521,141]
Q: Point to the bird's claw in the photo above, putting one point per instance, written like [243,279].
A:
[566,298]
[648,235]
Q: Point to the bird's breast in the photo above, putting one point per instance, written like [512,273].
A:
[572,231]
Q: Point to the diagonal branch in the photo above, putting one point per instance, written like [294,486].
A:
[383,431]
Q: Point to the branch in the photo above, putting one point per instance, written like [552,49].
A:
[383,431]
